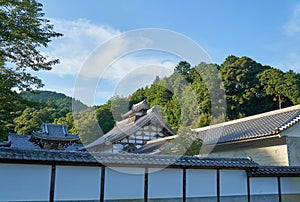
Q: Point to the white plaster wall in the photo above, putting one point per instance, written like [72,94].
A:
[201,183]
[263,185]
[21,182]
[233,182]
[293,131]
[290,185]
[124,183]
[165,183]
[265,156]
[77,183]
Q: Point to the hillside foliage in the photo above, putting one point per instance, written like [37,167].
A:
[183,99]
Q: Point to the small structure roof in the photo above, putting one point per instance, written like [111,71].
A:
[55,132]
[127,127]
[261,125]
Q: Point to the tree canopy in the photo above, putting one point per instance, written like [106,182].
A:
[23,31]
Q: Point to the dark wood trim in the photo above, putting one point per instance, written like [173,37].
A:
[279,189]
[102,184]
[184,185]
[248,189]
[52,183]
[146,184]
[218,185]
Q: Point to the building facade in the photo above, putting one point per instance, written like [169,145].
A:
[139,125]
[271,138]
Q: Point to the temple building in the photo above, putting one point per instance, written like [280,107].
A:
[271,138]
[139,125]
[51,137]
[54,136]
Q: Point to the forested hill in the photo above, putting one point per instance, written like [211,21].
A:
[59,99]
[183,98]
[41,95]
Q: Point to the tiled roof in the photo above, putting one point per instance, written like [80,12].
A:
[143,105]
[155,146]
[79,158]
[21,142]
[55,132]
[74,147]
[127,127]
[274,171]
[270,123]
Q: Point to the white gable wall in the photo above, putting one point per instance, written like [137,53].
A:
[293,131]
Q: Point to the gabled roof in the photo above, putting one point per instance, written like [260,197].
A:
[55,132]
[142,160]
[261,125]
[155,146]
[141,106]
[127,127]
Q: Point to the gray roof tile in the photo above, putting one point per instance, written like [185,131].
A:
[275,171]
[21,142]
[143,105]
[55,132]
[47,156]
[265,124]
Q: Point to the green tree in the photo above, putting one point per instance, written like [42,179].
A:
[23,31]
[173,113]
[242,86]
[283,86]
[182,68]
[185,144]
[67,120]
[105,117]
[31,120]
[87,126]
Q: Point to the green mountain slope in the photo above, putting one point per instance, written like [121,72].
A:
[59,99]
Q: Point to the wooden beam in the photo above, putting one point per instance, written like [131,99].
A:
[184,184]
[218,185]
[146,184]
[102,184]
[279,189]
[52,182]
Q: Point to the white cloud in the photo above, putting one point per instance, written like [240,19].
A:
[80,38]
[292,27]
[83,52]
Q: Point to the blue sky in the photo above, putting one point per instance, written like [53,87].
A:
[267,31]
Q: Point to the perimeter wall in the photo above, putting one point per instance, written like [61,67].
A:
[34,182]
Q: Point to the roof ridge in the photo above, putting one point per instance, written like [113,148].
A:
[257,116]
